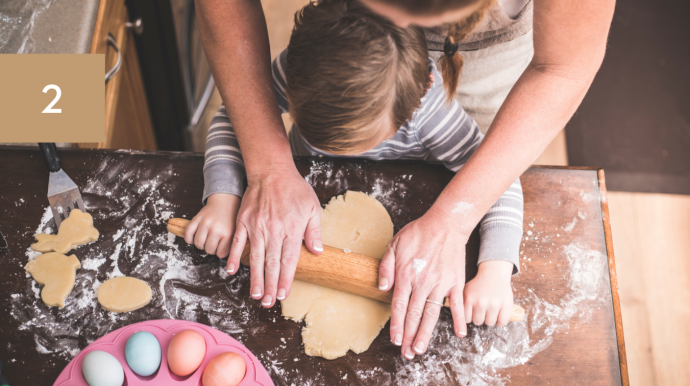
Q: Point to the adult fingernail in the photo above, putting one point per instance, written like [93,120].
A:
[419,347]
[267,301]
[318,246]
[231,268]
[383,284]
[397,340]
[409,354]
[281,294]
[462,334]
[256,293]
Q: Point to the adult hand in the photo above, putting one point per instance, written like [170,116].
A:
[278,209]
[425,260]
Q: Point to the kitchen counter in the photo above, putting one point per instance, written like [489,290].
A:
[572,333]
[61,27]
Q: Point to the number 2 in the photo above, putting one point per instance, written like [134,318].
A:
[50,108]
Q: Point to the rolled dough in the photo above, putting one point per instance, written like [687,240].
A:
[76,230]
[124,294]
[337,321]
[57,273]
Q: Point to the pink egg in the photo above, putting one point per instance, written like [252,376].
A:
[186,352]
[226,369]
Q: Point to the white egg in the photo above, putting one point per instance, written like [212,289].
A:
[102,369]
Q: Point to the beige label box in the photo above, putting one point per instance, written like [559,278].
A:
[52,98]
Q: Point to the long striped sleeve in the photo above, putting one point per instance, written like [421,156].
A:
[224,170]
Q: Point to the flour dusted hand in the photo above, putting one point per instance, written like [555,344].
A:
[425,260]
[212,228]
[278,209]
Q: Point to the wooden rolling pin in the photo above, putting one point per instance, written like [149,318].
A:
[345,271]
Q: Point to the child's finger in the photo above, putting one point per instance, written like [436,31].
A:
[312,235]
[478,313]
[387,269]
[271,271]
[239,240]
[223,247]
[491,315]
[504,314]
[190,230]
[288,264]
[200,236]
[211,245]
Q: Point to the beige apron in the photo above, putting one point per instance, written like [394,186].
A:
[496,53]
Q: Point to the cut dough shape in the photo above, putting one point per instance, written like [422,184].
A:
[124,294]
[337,321]
[57,273]
[76,230]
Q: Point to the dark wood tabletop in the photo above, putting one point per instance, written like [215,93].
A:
[567,282]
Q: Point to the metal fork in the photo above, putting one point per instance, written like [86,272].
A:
[63,193]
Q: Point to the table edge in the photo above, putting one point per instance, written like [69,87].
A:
[622,357]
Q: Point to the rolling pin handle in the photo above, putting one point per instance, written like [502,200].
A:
[177,225]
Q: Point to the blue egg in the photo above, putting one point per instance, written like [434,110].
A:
[143,353]
[102,369]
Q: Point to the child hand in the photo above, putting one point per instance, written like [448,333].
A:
[213,227]
[489,296]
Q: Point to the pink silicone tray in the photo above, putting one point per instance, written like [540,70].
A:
[217,342]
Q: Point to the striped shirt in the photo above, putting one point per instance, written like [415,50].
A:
[437,130]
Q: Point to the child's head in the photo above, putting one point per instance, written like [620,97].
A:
[353,77]
[459,17]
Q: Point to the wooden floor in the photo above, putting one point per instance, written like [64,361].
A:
[651,234]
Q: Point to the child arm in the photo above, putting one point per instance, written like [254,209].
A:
[213,227]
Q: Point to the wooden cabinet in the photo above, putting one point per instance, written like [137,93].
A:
[127,117]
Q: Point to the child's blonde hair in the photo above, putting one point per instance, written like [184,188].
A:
[347,68]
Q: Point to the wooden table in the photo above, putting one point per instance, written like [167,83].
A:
[573,334]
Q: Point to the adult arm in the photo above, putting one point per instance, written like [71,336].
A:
[569,46]
[569,43]
[279,207]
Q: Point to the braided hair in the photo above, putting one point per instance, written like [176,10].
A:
[451,62]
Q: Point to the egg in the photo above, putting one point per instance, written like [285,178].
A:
[226,369]
[102,369]
[186,352]
[143,353]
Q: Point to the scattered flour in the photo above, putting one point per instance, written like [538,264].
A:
[462,208]
[571,225]
[588,197]
[418,265]
[140,246]
[478,359]
[190,286]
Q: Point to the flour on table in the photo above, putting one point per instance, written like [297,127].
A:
[138,246]
[189,286]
